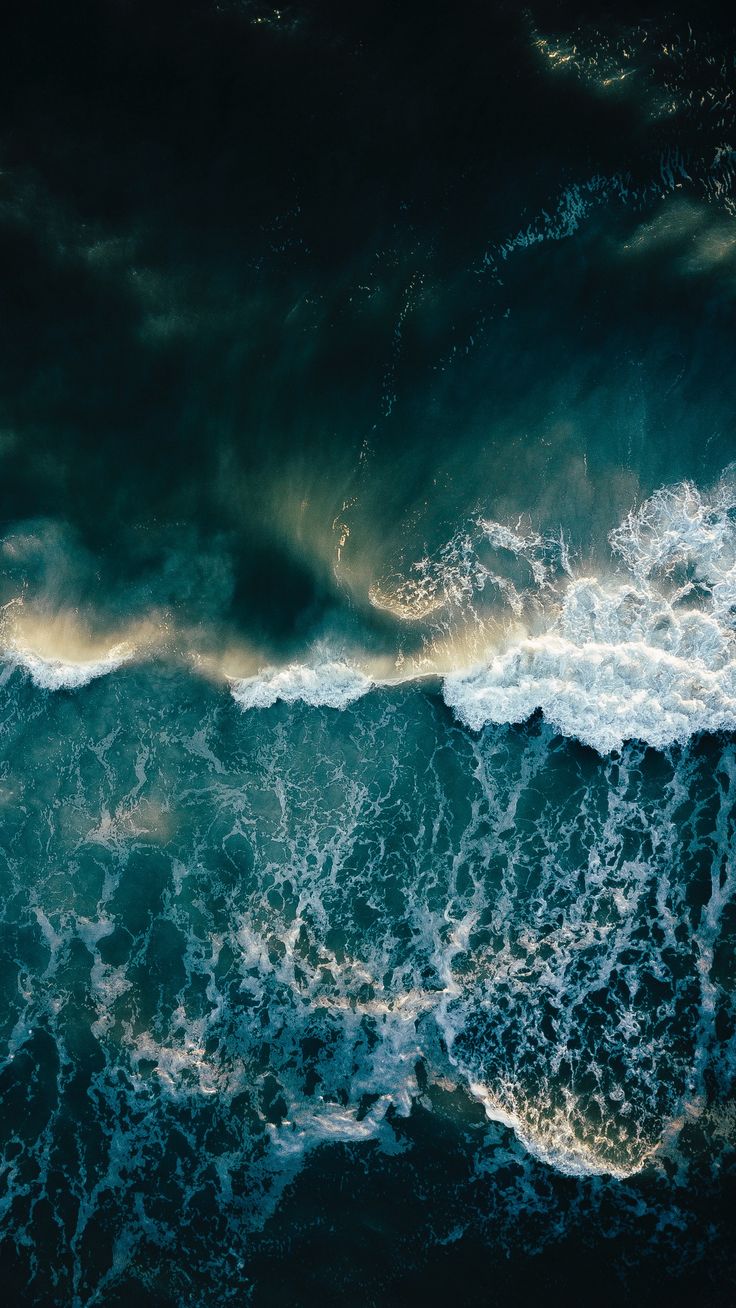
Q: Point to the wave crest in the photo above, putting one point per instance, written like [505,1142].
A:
[329,685]
[60,674]
[650,656]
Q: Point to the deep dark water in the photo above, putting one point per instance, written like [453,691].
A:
[367,657]
[256,268]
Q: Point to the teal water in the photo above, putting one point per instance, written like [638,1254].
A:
[234,941]
[367,662]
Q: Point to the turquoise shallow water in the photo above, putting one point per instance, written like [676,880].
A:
[367,661]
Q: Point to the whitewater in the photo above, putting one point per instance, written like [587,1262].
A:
[646,651]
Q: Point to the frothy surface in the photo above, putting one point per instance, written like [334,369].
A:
[648,656]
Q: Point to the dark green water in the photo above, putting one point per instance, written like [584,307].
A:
[368,684]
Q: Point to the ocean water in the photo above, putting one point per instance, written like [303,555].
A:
[367,655]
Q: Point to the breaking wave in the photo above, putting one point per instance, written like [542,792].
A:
[331,684]
[648,655]
[644,650]
[48,673]
[645,653]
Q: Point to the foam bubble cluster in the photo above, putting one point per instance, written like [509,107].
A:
[648,654]
[49,673]
[330,684]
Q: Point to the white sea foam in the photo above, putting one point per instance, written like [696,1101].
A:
[601,694]
[60,674]
[555,1143]
[648,654]
[330,685]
